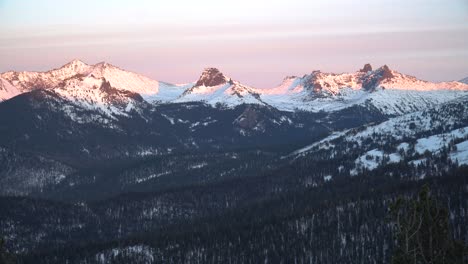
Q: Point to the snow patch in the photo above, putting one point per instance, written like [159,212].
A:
[461,154]
[152,176]
[143,253]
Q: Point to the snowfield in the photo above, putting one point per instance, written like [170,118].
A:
[461,154]
[143,253]
[412,134]
[373,159]
[386,90]
[7,90]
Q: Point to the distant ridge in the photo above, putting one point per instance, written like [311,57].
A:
[383,87]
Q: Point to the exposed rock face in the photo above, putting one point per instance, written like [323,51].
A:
[373,80]
[249,118]
[116,96]
[313,84]
[257,120]
[366,68]
[386,72]
[211,77]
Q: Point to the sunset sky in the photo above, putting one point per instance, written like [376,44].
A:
[254,41]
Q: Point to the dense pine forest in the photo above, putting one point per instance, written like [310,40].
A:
[346,221]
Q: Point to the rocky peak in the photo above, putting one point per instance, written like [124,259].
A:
[102,64]
[290,77]
[211,77]
[76,62]
[375,78]
[367,68]
[55,76]
[385,72]
[75,65]
[312,82]
[101,69]
[113,95]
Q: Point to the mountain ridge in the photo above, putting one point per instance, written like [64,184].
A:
[91,152]
[317,91]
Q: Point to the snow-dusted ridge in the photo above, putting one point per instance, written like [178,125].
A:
[118,78]
[405,137]
[7,90]
[384,89]
[213,87]
[98,94]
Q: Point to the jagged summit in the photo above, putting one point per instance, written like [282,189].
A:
[386,72]
[78,61]
[375,78]
[72,68]
[214,87]
[75,62]
[212,77]
[118,78]
[315,91]
[103,65]
[77,66]
[367,68]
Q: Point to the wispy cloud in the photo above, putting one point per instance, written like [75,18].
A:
[257,42]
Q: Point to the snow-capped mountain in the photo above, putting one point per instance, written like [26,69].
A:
[464,80]
[142,153]
[213,87]
[386,90]
[98,94]
[118,78]
[28,81]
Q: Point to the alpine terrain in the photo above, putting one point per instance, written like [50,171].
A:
[103,165]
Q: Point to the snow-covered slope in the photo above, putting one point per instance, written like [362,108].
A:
[7,90]
[98,94]
[387,90]
[444,117]
[213,87]
[149,89]
[406,137]
[460,154]
[120,79]
[383,89]
[28,81]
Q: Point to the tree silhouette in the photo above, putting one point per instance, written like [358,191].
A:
[5,256]
[422,232]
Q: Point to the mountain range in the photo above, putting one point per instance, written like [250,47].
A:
[318,91]
[100,165]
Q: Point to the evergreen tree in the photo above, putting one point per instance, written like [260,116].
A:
[423,233]
[5,256]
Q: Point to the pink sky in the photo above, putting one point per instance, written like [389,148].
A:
[259,49]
